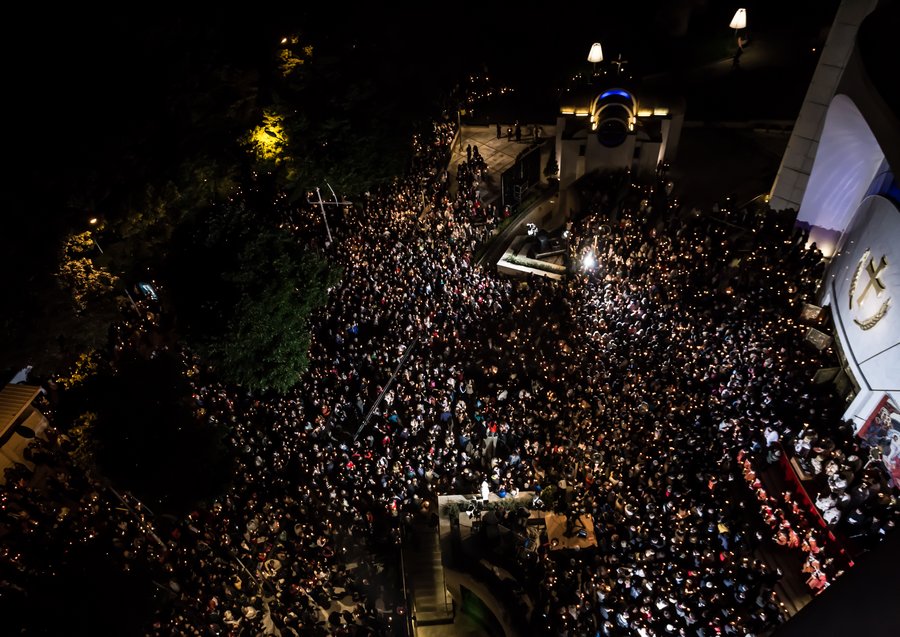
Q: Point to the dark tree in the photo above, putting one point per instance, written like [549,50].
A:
[91,595]
[147,434]
[345,119]
[244,291]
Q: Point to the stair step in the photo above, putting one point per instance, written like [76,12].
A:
[433,618]
[431,603]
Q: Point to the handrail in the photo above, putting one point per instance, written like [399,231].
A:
[408,622]
[387,386]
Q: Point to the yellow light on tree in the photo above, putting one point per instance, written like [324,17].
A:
[268,140]
[293,54]
[78,272]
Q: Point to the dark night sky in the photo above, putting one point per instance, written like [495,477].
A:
[87,88]
[81,58]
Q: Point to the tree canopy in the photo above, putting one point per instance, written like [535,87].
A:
[334,117]
[208,108]
[144,432]
[244,290]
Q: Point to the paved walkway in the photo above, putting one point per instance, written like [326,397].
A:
[499,154]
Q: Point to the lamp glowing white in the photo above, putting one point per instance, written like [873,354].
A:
[739,21]
[595,55]
[588,261]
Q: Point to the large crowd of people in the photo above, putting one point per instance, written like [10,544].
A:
[653,384]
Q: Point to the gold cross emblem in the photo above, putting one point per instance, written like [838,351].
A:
[874,279]
[867,262]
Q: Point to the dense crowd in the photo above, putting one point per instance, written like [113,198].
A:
[653,384]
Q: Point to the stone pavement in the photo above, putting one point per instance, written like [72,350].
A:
[499,154]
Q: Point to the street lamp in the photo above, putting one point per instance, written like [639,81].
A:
[595,55]
[739,21]
[95,226]
[322,205]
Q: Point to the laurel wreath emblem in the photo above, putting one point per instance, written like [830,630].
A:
[870,322]
[855,279]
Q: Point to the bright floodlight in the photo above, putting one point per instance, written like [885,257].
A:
[739,21]
[588,262]
[596,54]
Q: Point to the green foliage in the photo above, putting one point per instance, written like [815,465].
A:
[150,213]
[267,141]
[551,170]
[244,292]
[85,366]
[206,180]
[293,55]
[329,121]
[84,441]
[549,495]
[266,343]
[507,504]
[536,264]
[143,229]
[85,280]
[452,510]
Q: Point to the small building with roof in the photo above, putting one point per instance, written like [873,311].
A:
[615,126]
[20,423]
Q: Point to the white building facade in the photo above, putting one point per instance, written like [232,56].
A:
[840,173]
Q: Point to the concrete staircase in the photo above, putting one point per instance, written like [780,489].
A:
[424,572]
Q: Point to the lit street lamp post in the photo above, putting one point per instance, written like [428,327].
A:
[322,205]
[94,221]
[739,21]
[595,55]
[324,217]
